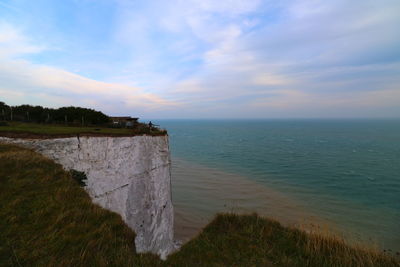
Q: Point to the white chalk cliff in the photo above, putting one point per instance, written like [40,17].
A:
[127,175]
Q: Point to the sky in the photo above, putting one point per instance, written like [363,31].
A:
[204,58]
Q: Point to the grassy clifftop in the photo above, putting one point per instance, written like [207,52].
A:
[47,219]
[36,130]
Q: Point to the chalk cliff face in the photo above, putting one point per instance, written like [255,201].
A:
[127,175]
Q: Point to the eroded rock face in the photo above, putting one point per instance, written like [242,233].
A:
[127,175]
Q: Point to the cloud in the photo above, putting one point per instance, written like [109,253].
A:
[32,79]
[317,56]
[52,86]
[268,79]
[13,43]
[217,58]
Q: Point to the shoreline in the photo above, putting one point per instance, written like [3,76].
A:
[200,192]
[209,191]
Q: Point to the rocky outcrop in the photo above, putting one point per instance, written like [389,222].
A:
[127,175]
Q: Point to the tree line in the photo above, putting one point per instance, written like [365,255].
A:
[39,114]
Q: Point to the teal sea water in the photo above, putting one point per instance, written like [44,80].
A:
[343,174]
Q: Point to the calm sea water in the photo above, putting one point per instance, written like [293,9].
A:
[341,174]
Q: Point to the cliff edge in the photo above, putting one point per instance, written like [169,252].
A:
[127,175]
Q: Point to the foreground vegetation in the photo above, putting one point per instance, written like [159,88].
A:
[47,219]
[21,129]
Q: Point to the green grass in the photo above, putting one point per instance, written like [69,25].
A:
[47,219]
[43,130]
[250,240]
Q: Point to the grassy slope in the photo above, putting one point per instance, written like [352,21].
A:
[250,240]
[50,129]
[47,219]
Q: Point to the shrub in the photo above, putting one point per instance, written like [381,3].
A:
[79,177]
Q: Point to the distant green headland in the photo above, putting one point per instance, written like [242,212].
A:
[40,122]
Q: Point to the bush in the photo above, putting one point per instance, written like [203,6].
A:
[79,177]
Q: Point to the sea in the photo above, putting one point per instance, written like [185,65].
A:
[333,176]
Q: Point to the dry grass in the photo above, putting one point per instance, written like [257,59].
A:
[47,219]
[250,240]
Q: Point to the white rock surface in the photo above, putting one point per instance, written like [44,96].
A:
[127,175]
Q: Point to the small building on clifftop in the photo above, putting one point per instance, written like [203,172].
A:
[128,122]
